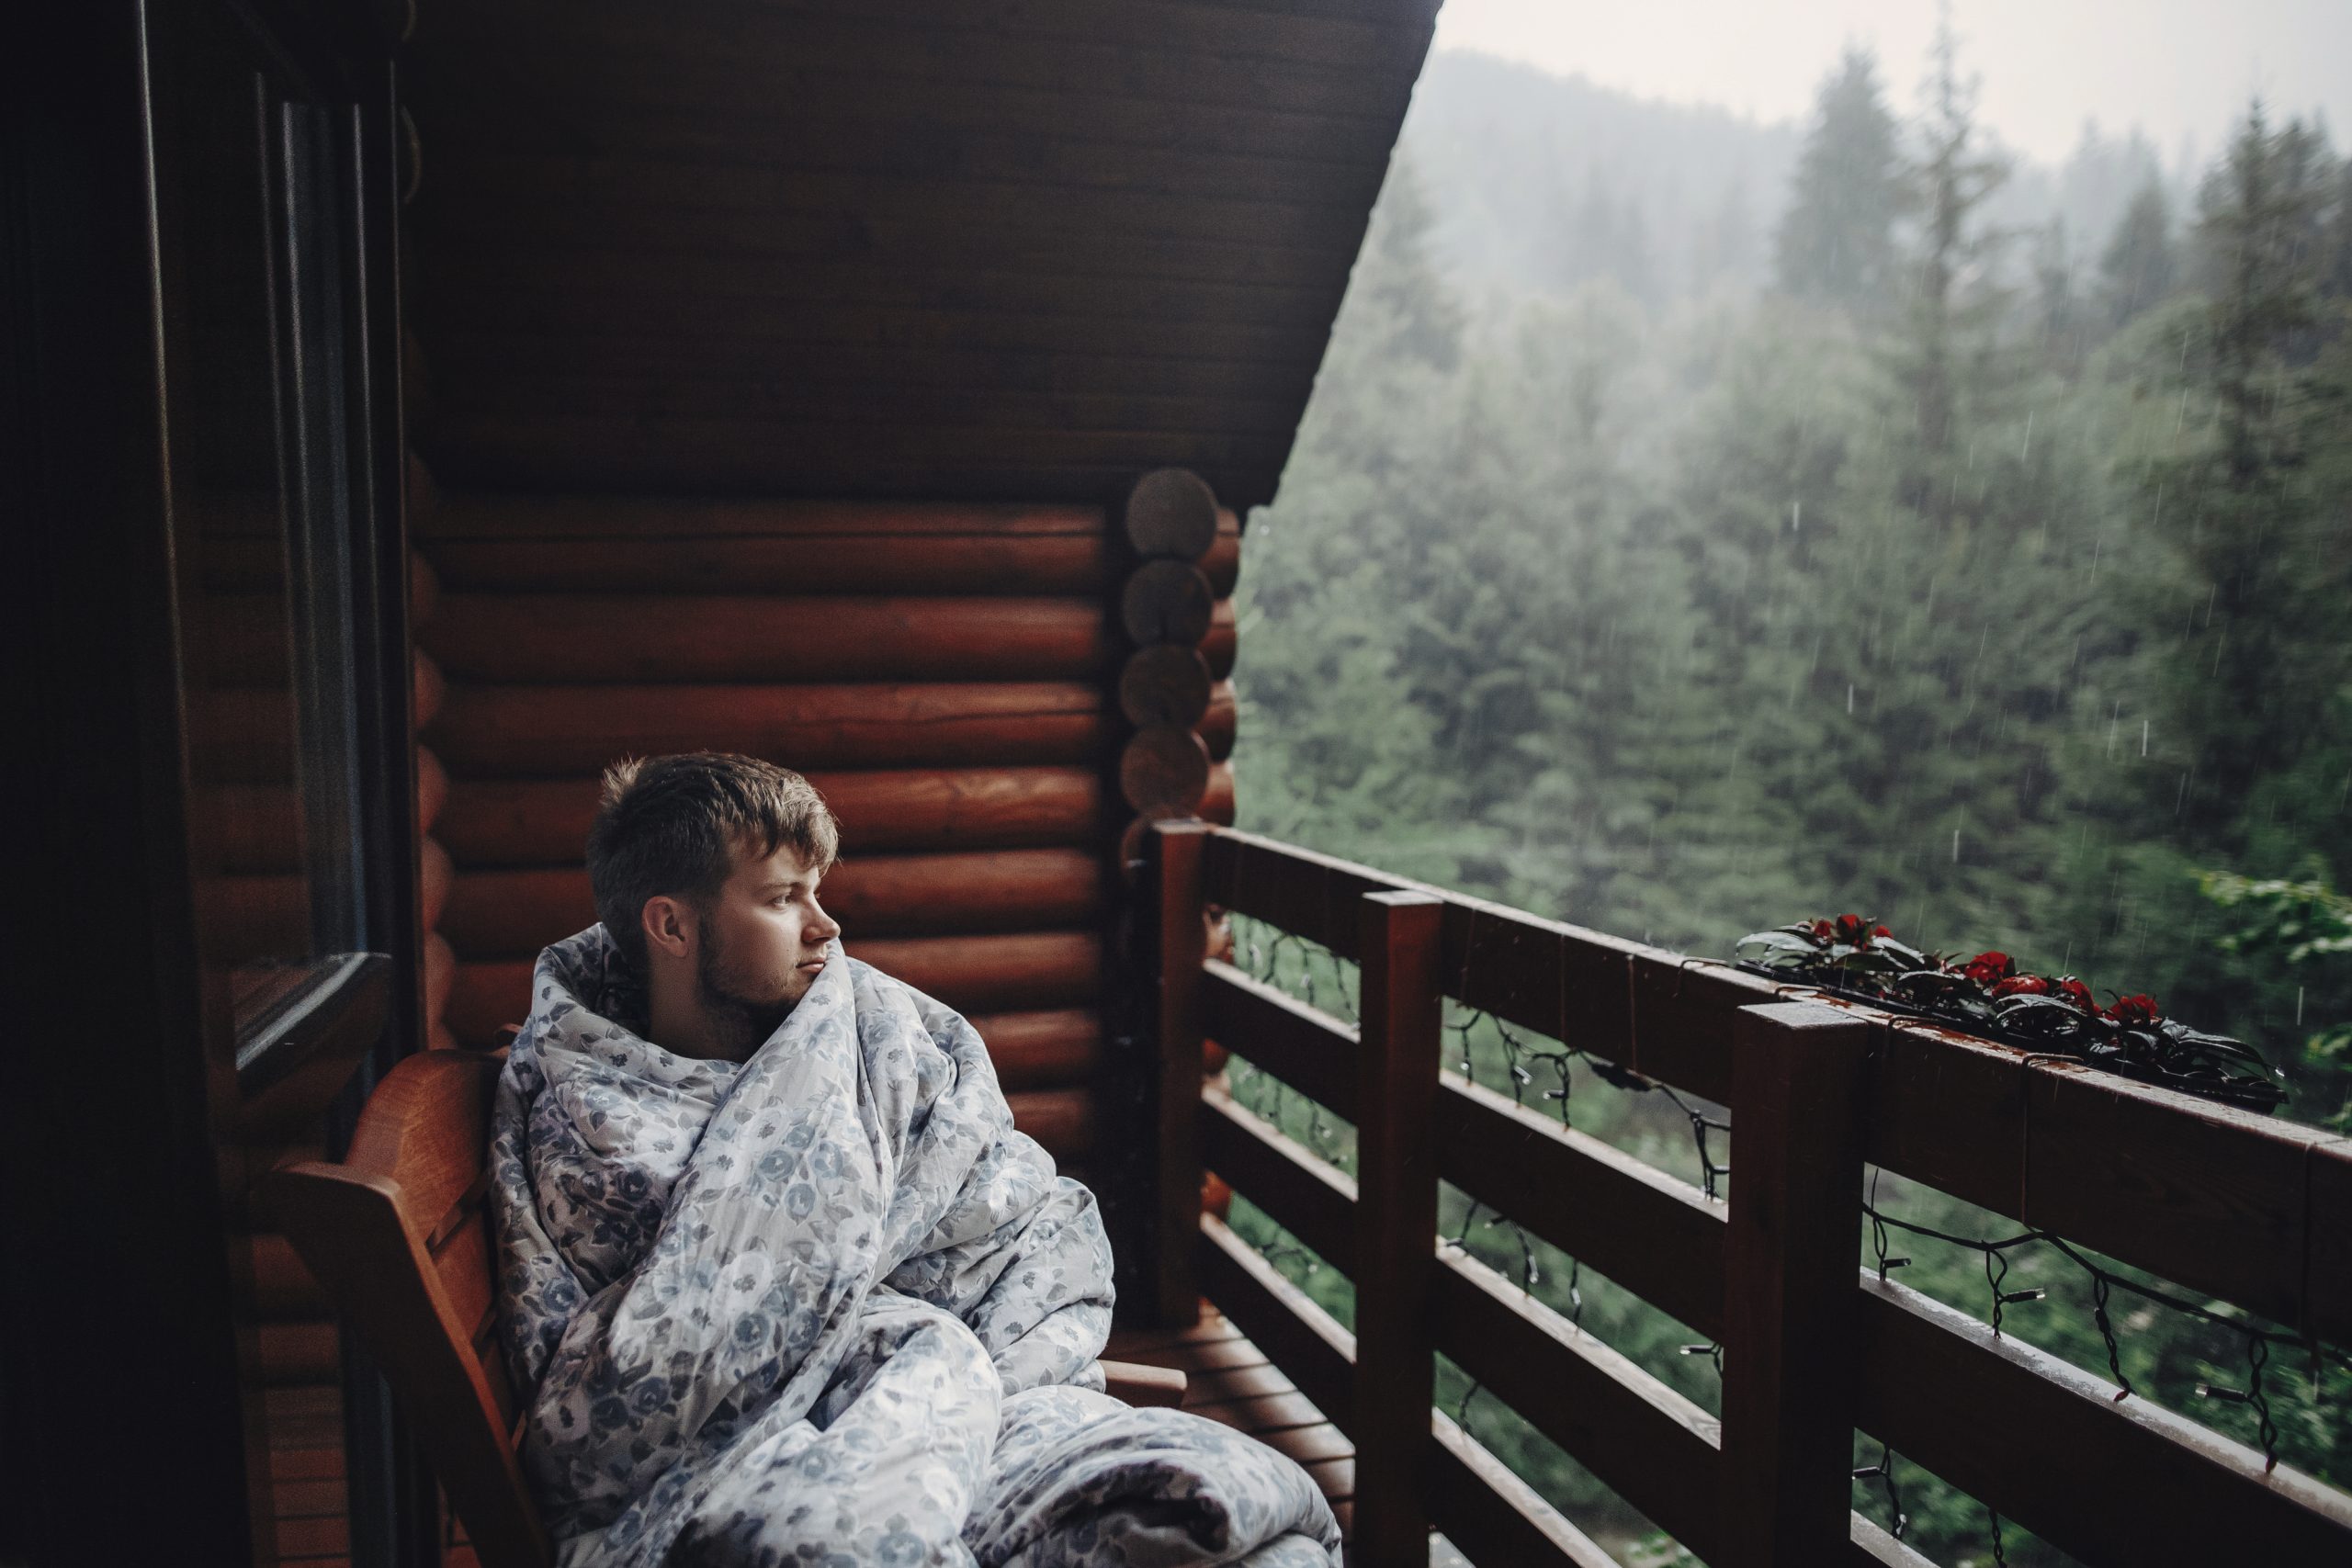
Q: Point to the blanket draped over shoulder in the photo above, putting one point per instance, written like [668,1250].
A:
[827,1307]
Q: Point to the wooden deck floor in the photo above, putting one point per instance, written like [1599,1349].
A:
[1230,1379]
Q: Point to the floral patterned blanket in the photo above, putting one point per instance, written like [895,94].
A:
[827,1307]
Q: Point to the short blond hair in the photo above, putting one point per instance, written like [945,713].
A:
[674,826]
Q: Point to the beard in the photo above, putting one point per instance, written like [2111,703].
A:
[742,1011]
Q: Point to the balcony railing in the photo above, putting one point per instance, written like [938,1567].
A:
[2243,1210]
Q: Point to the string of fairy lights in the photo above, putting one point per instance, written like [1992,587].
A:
[1541,1072]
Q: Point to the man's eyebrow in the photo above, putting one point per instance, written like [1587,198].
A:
[780,883]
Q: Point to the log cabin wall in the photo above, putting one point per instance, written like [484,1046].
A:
[782,378]
[938,669]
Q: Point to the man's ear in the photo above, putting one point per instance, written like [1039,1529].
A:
[669,926]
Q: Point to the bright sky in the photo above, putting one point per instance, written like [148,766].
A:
[2174,67]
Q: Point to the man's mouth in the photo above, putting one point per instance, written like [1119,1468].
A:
[812,965]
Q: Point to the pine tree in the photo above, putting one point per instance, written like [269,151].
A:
[1944,324]
[1835,242]
[1397,275]
[2136,270]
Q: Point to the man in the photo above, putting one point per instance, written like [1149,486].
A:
[779,1281]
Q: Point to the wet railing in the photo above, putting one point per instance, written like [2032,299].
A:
[2224,1205]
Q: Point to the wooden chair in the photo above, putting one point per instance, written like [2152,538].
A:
[401,1237]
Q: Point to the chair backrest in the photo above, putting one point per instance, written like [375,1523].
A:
[403,1240]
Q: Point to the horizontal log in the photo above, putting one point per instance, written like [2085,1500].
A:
[689,562]
[1310,1051]
[1171,512]
[1167,602]
[512,914]
[1062,1119]
[545,822]
[1219,644]
[567,731]
[1164,772]
[1216,727]
[1304,1194]
[1053,1049]
[1651,1446]
[1481,1506]
[2049,1446]
[1281,1319]
[569,638]
[978,975]
[1657,1236]
[812,526]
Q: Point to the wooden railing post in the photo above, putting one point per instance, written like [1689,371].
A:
[1790,1312]
[1397,1084]
[1182,918]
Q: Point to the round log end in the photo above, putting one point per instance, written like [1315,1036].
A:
[1172,511]
[1164,771]
[1165,684]
[1167,602]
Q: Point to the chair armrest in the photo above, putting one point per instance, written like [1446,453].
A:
[1142,1385]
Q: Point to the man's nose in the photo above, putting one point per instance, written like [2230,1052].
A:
[826,927]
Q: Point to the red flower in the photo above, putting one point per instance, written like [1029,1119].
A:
[1880,930]
[1825,930]
[2022,986]
[1849,928]
[2074,991]
[1989,968]
[2135,1009]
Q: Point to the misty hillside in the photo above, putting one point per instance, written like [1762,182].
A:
[1540,182]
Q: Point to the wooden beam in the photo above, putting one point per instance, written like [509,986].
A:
[1626,1219]
[1790,1310]
[2053,1447]
[1303,1193]
[1180,920]
[1397,1078]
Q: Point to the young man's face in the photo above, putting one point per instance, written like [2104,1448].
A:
[764,940]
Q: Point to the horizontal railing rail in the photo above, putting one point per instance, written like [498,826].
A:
[2243,1210]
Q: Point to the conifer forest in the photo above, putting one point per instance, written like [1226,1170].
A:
[1700,526]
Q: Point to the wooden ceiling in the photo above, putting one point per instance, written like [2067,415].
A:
[957,248]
